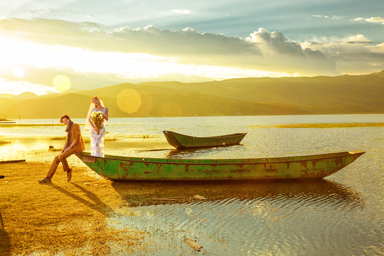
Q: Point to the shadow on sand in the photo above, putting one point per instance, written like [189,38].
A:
[96,203]
[5,243]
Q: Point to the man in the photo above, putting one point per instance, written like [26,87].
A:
[74,144]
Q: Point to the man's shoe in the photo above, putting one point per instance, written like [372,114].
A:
[45,180]
[69,175]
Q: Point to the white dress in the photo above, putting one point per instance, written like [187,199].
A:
[97,140]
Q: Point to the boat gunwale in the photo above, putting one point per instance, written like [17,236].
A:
[212,161]
[209,137]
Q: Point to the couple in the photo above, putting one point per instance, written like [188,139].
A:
[74,142]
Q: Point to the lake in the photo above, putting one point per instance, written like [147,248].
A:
[342,214]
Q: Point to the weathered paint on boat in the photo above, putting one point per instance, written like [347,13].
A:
[296,167]
[181,141]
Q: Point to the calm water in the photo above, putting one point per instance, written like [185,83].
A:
[341,215]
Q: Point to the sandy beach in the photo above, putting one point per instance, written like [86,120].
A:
[60,217]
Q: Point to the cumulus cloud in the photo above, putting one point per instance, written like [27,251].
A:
[354,54]
[289,54]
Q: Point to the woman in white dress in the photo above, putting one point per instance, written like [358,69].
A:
[97,136]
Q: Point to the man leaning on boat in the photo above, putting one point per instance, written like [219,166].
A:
[73,144]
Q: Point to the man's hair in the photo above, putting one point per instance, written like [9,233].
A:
[64,116]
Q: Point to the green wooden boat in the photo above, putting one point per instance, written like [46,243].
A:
[295,167]
[182,141]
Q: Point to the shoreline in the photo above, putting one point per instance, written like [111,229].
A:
[294,125]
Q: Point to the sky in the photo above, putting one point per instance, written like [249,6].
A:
[52,46]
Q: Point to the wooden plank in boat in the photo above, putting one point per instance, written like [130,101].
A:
[89,159]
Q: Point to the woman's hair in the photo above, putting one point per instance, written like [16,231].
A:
[64,116]
[95,97]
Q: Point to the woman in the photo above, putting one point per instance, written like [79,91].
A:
[97,135]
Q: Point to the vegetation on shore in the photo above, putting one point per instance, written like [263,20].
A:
[26,125]
[320,125]
[2,142]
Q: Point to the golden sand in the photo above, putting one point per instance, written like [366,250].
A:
[67,217]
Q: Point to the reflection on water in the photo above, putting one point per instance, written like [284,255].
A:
[247,217]
[200,152]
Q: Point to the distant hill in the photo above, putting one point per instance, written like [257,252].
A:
[345,94]
[7,95]
[57,94]
[25,96]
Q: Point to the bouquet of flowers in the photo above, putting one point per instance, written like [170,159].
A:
[97,119]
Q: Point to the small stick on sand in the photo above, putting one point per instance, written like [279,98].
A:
[12,161]
[193,244]
[164,199]
[169,198]
[199,197]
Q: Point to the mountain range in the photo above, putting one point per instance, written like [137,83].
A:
[346,94]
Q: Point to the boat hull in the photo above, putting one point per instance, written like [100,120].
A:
[182,141]
[296,167]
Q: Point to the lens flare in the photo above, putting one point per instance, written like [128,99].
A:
[129,101]
[61,83]
[135,102]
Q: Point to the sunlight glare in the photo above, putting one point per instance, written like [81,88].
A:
[19,72]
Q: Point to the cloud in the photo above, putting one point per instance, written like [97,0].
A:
[281,52]
[275,42]
[354,54]
[336,17]
[379,20]
[376,20]
[320,16]
[263,51]
[84,49]
[17,87]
